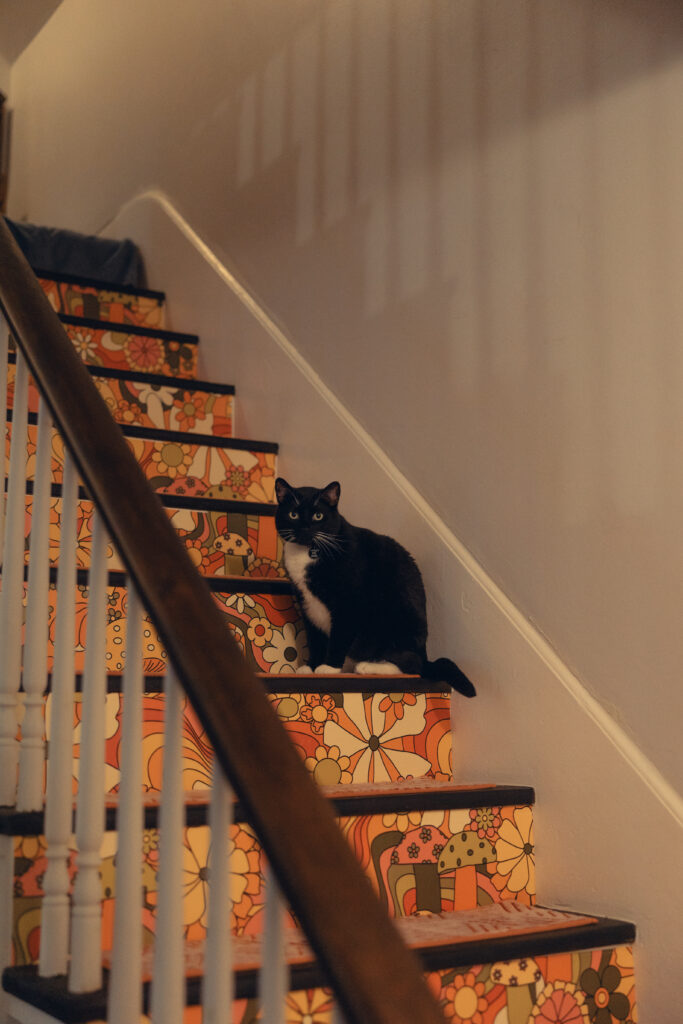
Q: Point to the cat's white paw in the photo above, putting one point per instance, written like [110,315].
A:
[304,670]
[377,668]
[327,670]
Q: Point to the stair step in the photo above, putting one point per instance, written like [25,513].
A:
[85,297]
[261,613]
[127,347]
[412,845]
[504,962]
[223,538]
[228,468]
[409,837]
[399,799]
[154,400]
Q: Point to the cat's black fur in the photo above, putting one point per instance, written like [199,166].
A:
[369,584]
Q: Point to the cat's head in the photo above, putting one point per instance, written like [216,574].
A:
[307,515]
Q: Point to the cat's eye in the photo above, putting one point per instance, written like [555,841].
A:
[317,516]
[293,514]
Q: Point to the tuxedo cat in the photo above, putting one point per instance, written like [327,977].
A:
[361,594]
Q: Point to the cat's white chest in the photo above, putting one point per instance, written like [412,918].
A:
[297,561]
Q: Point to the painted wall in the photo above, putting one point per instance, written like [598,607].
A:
[469,217]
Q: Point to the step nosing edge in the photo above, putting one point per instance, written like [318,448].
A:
[50,996]
[181,437]
[128,328]
[59,277]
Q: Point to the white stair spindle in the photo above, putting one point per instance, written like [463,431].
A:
[337,1015]
[4,352]
[54,942]
[219,985]
[11,598]
[274,978]
[168,987]
[85,974]
[32,751]
[125,983]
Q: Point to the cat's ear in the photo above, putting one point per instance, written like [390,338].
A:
[331,494]
[282,489]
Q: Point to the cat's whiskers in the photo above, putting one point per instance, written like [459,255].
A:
[329,543]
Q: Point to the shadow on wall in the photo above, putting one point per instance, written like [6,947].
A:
[465,214]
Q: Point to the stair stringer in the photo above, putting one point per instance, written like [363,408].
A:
[610,825]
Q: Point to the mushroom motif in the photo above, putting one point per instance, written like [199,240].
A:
[463,855]
[521,978]
[412,874]
[236,550]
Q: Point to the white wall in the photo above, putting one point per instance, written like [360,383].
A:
[469,217]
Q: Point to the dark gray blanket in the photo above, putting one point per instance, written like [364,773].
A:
[68,252]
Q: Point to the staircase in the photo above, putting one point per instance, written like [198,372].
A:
[453,864]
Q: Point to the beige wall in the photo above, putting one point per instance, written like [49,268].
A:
[468,214]
[470,218]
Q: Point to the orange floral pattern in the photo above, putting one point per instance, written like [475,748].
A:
[166,407]
[112,304]
[219,543]
[176,467]
[128,350]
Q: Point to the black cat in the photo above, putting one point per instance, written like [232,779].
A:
[361,594]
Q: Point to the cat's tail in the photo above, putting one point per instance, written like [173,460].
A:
[443,670]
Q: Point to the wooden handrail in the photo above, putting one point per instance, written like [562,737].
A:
[376,978]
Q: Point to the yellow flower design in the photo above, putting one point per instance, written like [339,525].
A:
[329,766]
[312,1006]
[172,459]
[515,851]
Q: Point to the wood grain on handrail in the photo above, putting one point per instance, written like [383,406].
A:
[377,979]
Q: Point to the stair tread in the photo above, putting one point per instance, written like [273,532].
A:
[350,799]
[199,502]
[497,934]
[460,928]
[162,379]
[183,437]
[298,682]
[128,328]
[92,282]
[354,792]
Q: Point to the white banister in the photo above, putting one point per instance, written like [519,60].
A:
[59,795]
[12,595]
[219,985]
[168,987]
[32,751]
[85,973]
[4,353]
[274,977]
[125,983]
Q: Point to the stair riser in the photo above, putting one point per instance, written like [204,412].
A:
[470,996]
[128,349]
[370,837]
[422,748]
[104,304]
[156,406]
[219,543]
[267,627]
[192,469]
[121,350]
